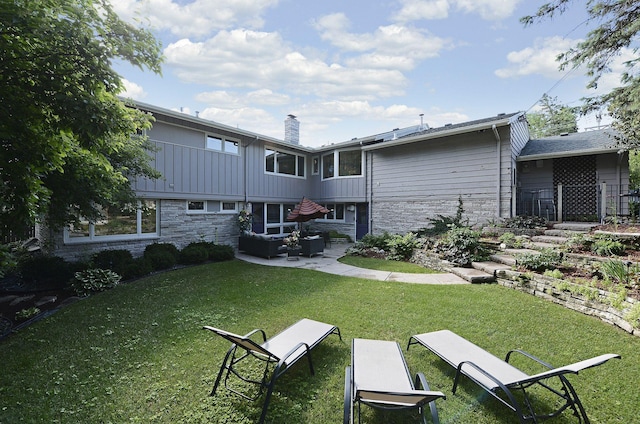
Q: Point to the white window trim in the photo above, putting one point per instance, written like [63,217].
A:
[205,211]
[92,238]
[223,138]
[344,214]
[336,165]
[275,163]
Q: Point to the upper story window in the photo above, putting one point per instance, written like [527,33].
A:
[285,163]
[222,144]
[349,164]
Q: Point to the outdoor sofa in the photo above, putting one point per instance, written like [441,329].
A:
[266,246]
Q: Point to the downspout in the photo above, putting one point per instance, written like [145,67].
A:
[499,167]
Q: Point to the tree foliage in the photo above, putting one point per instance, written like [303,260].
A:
[616,31]
[66,142]
[553,119]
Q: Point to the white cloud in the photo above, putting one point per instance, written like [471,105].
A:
[413,10]
[537,60]
[197,18]
[396,47]
[132,90]
[236,99]
[260,60]
[490,10]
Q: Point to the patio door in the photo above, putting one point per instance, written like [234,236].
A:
[362,220]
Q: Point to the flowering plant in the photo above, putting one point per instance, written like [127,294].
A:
[244,220]
[292,240]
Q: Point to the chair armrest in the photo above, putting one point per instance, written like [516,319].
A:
[257,330]
[530,356]
[421,382]
[294,350]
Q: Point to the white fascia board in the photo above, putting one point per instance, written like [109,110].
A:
[214,124]
[564,154]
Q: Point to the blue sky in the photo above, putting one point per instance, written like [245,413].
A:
[354,68]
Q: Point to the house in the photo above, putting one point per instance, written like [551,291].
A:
[392,182]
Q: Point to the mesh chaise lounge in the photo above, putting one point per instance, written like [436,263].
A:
[504,381]
[282,350]
[379,377]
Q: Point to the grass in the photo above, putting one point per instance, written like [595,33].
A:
[138,354]
[385,265]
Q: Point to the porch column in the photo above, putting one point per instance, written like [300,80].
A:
[559,217]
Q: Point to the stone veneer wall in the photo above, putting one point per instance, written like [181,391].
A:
[175,226]
[403,216]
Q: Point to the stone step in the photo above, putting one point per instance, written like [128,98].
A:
[550,239]
[503,258]
[555,232]
[472,275]
[584,227]
[538,245]
[490,267]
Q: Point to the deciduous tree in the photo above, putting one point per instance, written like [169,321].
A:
[66,143]
[553,119]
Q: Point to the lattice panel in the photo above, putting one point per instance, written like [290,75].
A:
[580,192]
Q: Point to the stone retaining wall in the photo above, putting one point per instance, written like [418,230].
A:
[545,288]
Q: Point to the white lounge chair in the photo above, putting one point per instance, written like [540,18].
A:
[379,377]
[501,379]
[283,350]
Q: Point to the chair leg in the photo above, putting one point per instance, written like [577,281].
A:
[267,398]
[222,368]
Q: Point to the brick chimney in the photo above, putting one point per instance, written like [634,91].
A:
[291,130]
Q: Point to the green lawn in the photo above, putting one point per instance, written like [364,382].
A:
[138,354]
[385,265]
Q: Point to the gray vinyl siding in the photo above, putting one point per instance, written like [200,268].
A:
[193,172]
[415,182]
[263,186]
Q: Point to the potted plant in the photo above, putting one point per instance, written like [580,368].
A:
[292,241]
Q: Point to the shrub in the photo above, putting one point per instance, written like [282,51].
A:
[555,273]
[45,270]
[529,222]
[9,254]
[579,243]
[607,247]
[221,252]
[546,259]
[193,254]
[138,267]
[94,280]
[27,313]
[441,224]
[460,246]
[510,240]
[117,260]
[161,255]
[372,241]
[401,247]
